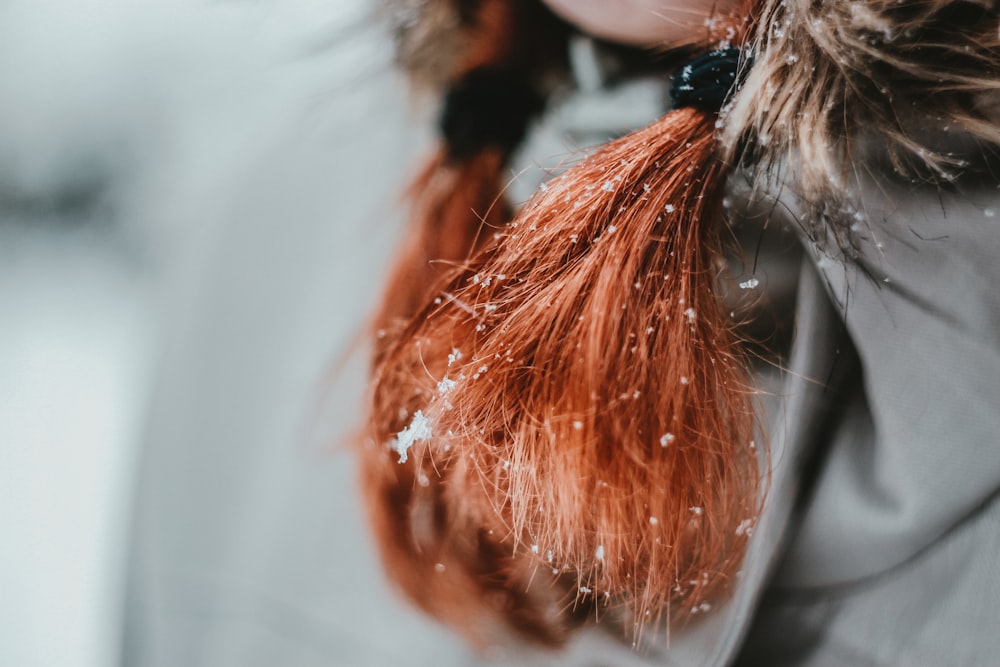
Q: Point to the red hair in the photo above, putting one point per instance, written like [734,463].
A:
[561,418]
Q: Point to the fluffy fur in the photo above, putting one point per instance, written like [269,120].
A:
[835,83]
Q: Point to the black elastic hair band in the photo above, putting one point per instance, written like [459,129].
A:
[707,81]
[488,108]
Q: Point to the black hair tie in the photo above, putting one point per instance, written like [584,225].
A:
[706,82]
[488,108]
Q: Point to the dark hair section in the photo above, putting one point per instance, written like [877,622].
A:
[488,108]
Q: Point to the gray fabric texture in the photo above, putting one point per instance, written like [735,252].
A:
[891,559]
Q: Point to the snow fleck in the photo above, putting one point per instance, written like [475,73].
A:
[696,510]
[745,527]
[690,314]
[612,229]
[653,521]
[578,425]
[455,355]
[534,548]
[608,186]
[667,439]
[650,330]
[549,555]
[445,386]
[749,284]
[544,187]
[585,590]
[439,567]
[419,429]
[989,213]
[669,208]
[423,480]
[685,380]
[599,554]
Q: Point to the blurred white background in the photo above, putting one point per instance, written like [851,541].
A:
[127,128]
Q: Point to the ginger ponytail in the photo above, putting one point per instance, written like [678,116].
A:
[563,428]
[495,89]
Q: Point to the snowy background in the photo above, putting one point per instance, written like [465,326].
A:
[128,129]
